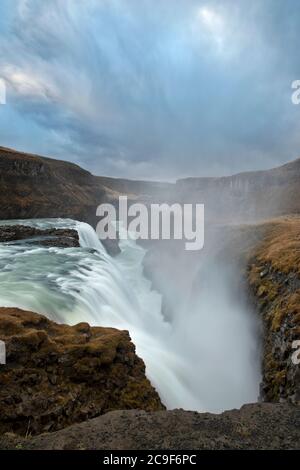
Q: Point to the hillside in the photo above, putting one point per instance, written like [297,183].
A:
[35,186]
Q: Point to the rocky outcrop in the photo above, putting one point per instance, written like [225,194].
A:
[64,238]
[57,375]
[257,426]
[274,277]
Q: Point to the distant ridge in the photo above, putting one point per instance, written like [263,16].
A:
[36,186]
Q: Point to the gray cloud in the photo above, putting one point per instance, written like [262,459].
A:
[148,89]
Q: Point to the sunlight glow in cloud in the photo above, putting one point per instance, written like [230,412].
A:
[213,23]
[26,84]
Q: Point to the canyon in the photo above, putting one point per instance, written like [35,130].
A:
[251,260]
[35,187]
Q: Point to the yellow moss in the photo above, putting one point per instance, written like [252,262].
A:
[137,393]
[278,314]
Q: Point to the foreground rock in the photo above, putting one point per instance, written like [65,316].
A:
[258,426]
[57,375]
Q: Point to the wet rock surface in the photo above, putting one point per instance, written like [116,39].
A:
[257,426]
[57,375]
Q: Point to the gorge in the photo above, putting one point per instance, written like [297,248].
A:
[199,321]
[202,358]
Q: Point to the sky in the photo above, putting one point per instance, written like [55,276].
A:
[152,89]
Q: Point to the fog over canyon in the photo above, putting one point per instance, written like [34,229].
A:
[203,355]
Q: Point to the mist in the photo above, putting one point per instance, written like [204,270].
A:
[200,350]
[214,330]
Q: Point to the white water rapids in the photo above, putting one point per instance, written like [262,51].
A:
[202,361]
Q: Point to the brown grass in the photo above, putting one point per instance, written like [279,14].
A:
[276,257]
[281,246]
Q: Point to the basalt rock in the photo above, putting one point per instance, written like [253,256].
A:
[274,276]
[64,238]
[57,375]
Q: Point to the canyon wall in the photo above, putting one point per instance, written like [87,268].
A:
[274,277]
[248,196]
[35,186]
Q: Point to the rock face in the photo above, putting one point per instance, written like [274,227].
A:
[64,238]
[274,276]
[57,375]
[34,186]
[258,426]
[246,197]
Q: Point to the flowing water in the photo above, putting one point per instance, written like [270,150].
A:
[204,359]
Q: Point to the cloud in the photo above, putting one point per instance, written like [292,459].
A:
[151,89]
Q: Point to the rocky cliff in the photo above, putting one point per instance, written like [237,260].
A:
[34,186]
[274,277]
[57,375]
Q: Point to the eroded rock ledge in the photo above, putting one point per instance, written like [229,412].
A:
[57,375]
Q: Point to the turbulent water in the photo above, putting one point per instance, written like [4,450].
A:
[205,360]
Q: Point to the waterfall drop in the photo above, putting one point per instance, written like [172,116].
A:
[183,356]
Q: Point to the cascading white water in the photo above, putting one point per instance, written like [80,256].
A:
[186,359]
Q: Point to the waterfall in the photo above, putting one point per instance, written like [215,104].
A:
[88,237]
[85,284]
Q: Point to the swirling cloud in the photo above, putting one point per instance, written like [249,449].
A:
[146,89]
